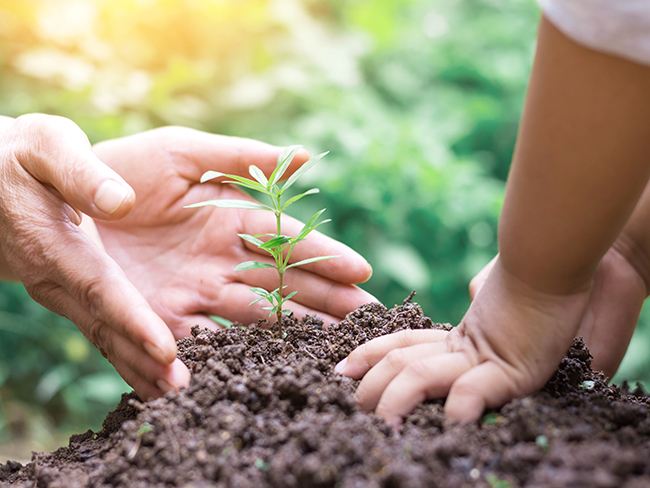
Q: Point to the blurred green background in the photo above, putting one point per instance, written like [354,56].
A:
[417,100]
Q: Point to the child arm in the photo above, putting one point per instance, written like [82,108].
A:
[581,164]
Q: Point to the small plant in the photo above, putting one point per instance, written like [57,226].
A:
[491,418]
[279,246]
[495,482]
[542,442]
[144,428]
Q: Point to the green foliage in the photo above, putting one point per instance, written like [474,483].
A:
[279,246]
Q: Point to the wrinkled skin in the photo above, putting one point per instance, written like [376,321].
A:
[162,268]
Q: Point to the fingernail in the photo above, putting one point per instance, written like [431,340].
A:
[156,353]
[341,366]
[164,386]
[110,196]
[368,272]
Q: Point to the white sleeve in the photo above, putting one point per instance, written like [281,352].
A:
[619,27]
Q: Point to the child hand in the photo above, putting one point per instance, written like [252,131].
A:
[507,345]
[617,295]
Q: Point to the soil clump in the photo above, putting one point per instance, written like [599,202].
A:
[266,412]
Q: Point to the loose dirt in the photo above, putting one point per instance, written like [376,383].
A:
[266,412]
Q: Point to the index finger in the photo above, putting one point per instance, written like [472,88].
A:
[202,151]
[364,357]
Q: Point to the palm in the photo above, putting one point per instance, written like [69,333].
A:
[182,260]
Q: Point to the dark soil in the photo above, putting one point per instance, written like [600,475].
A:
[262,412]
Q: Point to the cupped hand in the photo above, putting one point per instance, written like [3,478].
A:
[617,296]
[183,260]
[50,176]
[507,345]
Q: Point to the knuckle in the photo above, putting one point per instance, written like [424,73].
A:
[418,369]
[42,129]
[44,293]
[405,338]
[40,135]
[91,293]
[43,123]
[97,334]
[360,354]
[396,359]
[462,388]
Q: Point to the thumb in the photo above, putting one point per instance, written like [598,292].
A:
[56,152]
[479,280]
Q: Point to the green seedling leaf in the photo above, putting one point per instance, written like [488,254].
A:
[245,204]
[258,175]
[298,197]
[261,465]
[252,239]
[260,291]
[277,296]
[303,169]
[238,180]
[311,260]
[305,232]
[542,442]
[251,187]
[495,482]
[246,265]
[275,242]
[265,295]
[311,225]
[284,160]
[146,427]
[490,418]
[211,175]
[221,321]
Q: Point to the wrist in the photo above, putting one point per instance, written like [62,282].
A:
[541,276]
[512,318]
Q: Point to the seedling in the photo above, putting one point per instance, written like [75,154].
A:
[495,482]
[278,245]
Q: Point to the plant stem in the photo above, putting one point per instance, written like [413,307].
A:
[279,312]
[279,261]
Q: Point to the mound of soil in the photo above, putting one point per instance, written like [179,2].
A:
[266,412]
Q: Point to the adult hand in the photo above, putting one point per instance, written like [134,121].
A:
[49,176]
[183,260]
